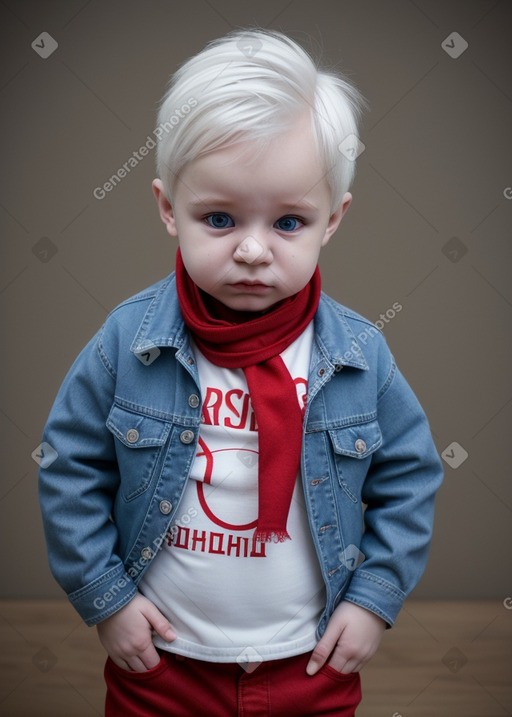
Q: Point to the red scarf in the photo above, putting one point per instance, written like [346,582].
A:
[254,345]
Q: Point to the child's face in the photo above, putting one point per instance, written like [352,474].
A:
[251,226]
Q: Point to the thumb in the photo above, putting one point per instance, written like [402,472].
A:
[319,655]
[158,622]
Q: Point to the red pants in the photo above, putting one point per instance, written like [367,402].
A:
[182,687]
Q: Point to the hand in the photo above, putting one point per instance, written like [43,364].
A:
[351,638]
[126,635]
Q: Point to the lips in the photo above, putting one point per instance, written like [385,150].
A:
[248,282]
[249,285]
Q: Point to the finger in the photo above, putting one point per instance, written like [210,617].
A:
[325,645]
[120,663]
[341,659]
[158,622]
[359,664]
[150,657]
[346,664]
[339,663]
[321,653]
[349,667]
[135,664]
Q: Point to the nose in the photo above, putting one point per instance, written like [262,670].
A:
[252,251]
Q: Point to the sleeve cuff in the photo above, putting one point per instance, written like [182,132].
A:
[375,594]
[105,596]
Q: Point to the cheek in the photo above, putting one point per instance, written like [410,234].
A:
[303,271]
[200,264]
[302,262]
[190,258]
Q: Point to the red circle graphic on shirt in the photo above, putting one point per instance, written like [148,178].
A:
[208,455]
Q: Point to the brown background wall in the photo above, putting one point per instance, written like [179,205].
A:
[436,167]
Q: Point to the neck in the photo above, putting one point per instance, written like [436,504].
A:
[218,310]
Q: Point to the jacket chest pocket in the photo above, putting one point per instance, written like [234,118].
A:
[139,447]
[353,447]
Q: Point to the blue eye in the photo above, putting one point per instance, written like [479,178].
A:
[287,224]
[219,220]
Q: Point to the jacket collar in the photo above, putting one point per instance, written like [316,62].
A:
[163,326]
[335,337]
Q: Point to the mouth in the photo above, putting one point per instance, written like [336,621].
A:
[251,286]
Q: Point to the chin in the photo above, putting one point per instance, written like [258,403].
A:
[248,305]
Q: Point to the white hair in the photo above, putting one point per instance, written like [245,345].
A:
[251,85]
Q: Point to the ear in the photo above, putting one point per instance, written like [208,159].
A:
[164,207]
[335,219]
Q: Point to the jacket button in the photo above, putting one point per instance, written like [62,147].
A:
[360,445]
[193,401]
[165,507]
[187,436]
[132,436]
[321,371]
[146,553]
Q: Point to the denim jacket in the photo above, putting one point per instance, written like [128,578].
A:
[122,435]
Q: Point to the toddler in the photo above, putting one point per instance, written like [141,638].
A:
[242,492]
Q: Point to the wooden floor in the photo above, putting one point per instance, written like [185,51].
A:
[442,659]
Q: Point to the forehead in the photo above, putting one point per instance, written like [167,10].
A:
[287,168]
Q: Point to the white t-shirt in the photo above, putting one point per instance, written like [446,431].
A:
[229,598]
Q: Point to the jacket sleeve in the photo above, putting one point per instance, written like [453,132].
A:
[399,493]
[78,481]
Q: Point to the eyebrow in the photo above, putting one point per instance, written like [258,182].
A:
[210,201]
[302,204]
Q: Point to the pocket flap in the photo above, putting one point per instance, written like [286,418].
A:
[357,441]
[137,430]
